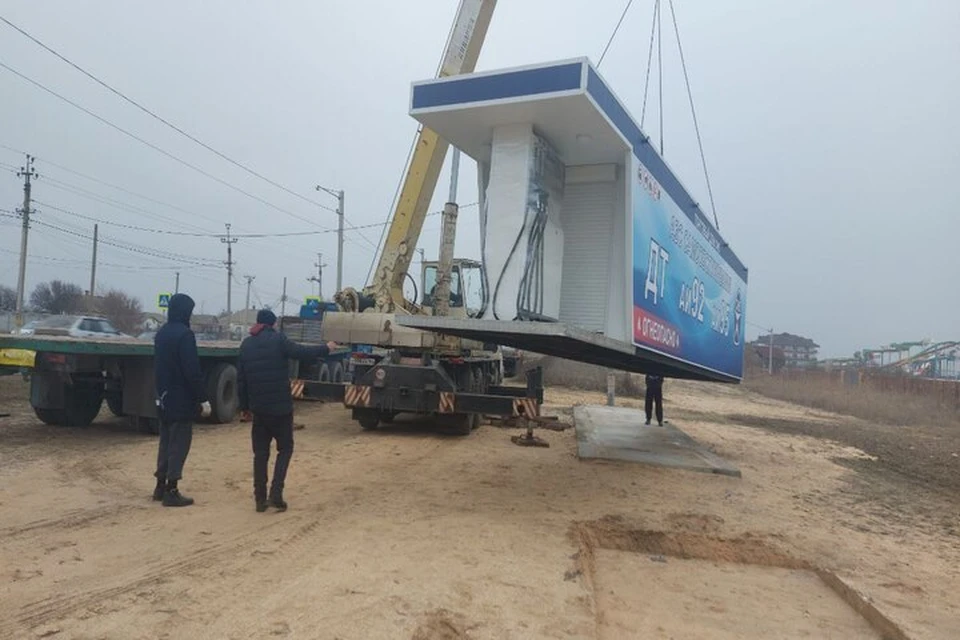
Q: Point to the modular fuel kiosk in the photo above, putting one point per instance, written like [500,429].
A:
[593,249]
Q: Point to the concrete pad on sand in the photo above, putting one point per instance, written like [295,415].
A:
[618,433]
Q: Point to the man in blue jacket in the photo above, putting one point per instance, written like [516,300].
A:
[180,397]
[263,384]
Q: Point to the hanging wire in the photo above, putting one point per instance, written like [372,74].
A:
[646,81]
[693,111]
[660,71]
[614,34]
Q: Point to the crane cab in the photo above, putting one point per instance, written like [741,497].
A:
[467,290]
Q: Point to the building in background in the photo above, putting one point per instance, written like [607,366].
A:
[789,351]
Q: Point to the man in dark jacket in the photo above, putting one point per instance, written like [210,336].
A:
[180,397]
[654,396]
[263,383]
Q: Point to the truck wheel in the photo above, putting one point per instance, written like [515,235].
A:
[222,392]
[325,373]
[337,374]
[387,417]
[457,424]
[53,417]
[115,403]
[369,419]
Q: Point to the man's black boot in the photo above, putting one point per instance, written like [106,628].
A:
[173,498]
[276,499]
[260,497]
[159,490]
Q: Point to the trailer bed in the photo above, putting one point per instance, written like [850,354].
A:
[108,346]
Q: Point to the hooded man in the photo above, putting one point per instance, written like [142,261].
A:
[180,397]
[263,383]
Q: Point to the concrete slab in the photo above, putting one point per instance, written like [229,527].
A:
[618,433]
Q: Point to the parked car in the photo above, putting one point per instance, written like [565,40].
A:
[77,327]
[27,329]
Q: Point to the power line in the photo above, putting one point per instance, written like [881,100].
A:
[612,35]
[169,124]
[155,147]
[166,122]
[192,234]
[85,193]
[186,260]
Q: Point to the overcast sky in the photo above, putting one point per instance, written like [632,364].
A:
[831,130]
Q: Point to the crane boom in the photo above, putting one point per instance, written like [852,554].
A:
[423,172]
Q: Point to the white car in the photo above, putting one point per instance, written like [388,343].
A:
[27,329]
[77,327]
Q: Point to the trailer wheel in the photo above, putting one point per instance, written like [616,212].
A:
[222,392]
[115,403]
[369,419]
[324,373]
[53,417]
[337,374]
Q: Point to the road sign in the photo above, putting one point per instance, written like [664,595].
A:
[312,301]
[163,300]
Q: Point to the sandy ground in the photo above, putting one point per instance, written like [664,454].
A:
[403,533]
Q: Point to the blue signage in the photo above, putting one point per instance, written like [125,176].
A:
[163,300]
[689,302]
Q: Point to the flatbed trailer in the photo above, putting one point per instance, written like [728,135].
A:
[73,377]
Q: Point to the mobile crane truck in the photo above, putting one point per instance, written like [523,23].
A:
[402,370]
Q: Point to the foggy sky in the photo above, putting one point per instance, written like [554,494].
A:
[830,129]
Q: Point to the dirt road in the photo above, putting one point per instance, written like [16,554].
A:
[402,533]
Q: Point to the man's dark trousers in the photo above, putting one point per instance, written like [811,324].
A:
[175,439]
[267,428]
[654,396]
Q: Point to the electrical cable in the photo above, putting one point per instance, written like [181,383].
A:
[693,111]
[205,234]
[155,147]
[169,124]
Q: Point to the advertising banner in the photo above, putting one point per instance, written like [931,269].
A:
[688,301]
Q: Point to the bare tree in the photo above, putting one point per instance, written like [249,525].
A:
[8,299]
[123,311]
[57,296]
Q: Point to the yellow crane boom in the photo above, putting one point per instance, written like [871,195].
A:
[423,172]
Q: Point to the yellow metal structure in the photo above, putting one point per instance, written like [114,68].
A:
[429,152]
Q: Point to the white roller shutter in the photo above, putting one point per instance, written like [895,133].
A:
[587,214]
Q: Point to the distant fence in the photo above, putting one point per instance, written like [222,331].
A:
[946,393]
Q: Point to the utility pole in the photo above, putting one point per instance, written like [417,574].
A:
[319,264]
[176,287]
[229,242]
[249,280]
[26,172]
[93,264]
[339,196]
[283,299]
[770,354]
